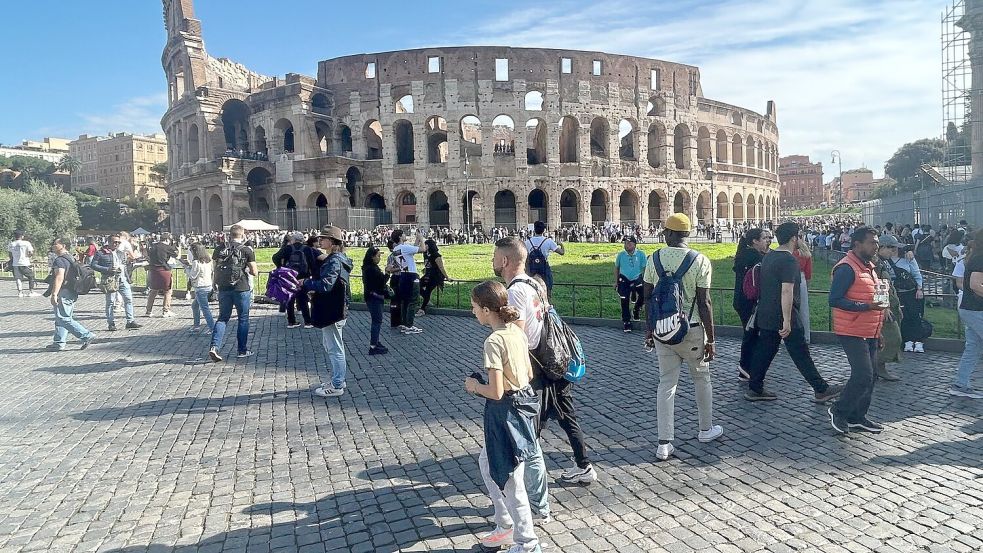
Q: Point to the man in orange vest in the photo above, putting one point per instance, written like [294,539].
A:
[857,321]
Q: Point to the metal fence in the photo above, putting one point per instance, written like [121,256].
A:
[935,206]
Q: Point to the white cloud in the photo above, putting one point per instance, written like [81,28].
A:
[861,77]
[140,114]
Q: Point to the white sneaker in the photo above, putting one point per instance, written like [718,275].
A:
[328,391]
[497,538]
[715,432]
[421,313]
[413,330]
[919,347]
[34,295]
[577,475]
[168,315]
[664,451]
[20,294]
[909,346]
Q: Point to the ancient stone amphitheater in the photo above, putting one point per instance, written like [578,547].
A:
[489,136]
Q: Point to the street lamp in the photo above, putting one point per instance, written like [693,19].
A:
[468,215]
[835,157]
[714,216]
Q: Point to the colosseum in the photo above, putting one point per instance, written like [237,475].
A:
[488,136]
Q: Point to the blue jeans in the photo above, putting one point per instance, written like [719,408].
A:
[973,320]
[375,310]
[126,293]
[227,299]
[535,481]
[334,345]
[200,306]
[65,321]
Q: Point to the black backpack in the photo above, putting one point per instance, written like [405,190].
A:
[536,263]
[230,266]
[79,277]
[297,261]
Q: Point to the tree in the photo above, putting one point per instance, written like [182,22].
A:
[903,165]
[43,212]
[159,171]
[69,164]
[34,167]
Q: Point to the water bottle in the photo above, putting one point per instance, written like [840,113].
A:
[881,293]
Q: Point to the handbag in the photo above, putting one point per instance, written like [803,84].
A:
[109,283]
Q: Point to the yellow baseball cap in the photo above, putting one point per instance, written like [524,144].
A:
[678,222]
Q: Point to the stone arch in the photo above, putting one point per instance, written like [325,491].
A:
[722,206]
[403,133]
[704,210]
[372,134]
[345,135]
[752,208]
[404,104]
[600,133]
[599,206]
[406,207]
[375,201]
[259,138]
[738,207]
[534,100]
[681,146]
[538,210]
[258,177]
[194,151]
[656,107]
[470,137]
[321,104]
[723,153]
[569,139]
[285,135]
[319,204]
[628,207]
[323,134]
[569,207]
[288,207]
[657,145]
[628,140]
[440,209]
[703,146]
[471,208]
[353,184]
[681,202]
[737,150]
[436,128]
[761,207]
[196,215]
[503,135]
[657,207]
[215,219]
[505,209]
[536,141]
[235,121]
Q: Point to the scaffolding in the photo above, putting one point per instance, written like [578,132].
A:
[956,85]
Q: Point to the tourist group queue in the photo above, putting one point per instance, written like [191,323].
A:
[672,285]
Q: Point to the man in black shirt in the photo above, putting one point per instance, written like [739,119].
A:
[777,319]
[235,263]
[63,297]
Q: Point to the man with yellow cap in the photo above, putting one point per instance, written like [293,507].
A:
[696,348]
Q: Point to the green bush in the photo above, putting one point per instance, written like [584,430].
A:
[43,212]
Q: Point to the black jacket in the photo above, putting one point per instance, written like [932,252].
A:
[375,281]
[743,262]
[332,291]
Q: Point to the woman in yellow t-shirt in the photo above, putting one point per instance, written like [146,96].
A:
[510,408]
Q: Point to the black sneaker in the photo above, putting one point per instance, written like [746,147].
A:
[838,422]
[866,425]
[378,350]
[133,325]
[832,391]
[112,328]
[763,395]
[627,327]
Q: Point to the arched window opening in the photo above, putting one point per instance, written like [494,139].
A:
[353,183]
[537,206]
[436,140]
[403,131]
[235,121]
[628,207]
[534,101]
[656,207]
[505,209]
[194,152]
[722,147]
[656,107]
[681,146]
[323,133]
[569,207]
[598,206]
[405,104]
[346,139]
[657,145]
[703,144]
[738,150]
[406,205]
[503,135]
[440,210]
[470,137]
[372,133]
[535,142]
[321,104]
[627,138]
[569,140]
[599,137]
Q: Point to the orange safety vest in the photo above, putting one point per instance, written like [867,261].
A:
[861,324]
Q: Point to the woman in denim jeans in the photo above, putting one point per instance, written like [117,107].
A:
[200,271]
[376,292]
[971,314]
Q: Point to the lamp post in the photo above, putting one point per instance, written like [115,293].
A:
[714,216]
[835,157]
[468,222]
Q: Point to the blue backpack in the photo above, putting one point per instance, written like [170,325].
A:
[560,354]
[666,319]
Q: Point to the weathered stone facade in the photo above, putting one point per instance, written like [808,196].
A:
[564,136]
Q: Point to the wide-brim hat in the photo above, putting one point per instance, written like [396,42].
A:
[333,232]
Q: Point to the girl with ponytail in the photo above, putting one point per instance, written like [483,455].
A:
[510,408]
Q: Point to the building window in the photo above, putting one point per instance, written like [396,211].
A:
[596,67]
[501,69]
[566,65]
[370,70]
[656,78]
[433,64]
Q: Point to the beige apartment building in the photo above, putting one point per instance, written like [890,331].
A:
[120,166]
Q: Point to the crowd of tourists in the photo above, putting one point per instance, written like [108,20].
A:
[876,287]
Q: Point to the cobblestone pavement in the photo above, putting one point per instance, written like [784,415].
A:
[138,444]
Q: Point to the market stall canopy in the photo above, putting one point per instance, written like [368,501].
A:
[140,232]
[256,225]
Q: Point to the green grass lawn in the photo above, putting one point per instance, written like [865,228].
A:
[584,280]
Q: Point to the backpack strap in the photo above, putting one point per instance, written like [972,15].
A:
[532,284]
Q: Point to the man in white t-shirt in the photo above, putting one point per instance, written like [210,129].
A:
[538,250]
[409,279]
[21,252]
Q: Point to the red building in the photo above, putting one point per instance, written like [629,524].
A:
[802,182]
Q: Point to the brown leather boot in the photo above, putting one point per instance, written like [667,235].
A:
[884,374]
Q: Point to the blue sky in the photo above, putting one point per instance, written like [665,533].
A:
[859,76]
